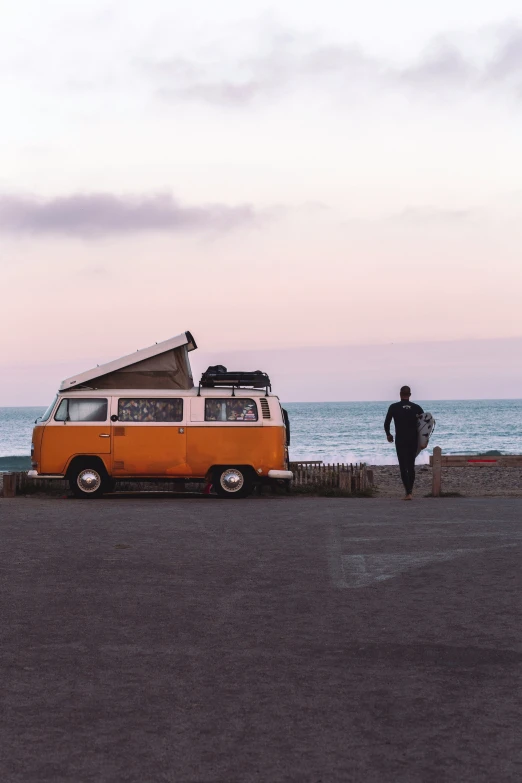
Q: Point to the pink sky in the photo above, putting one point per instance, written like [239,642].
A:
[465,369]
[269,181]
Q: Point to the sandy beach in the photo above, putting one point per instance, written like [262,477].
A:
[473,482]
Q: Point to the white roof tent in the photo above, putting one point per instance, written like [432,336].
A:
[164,365]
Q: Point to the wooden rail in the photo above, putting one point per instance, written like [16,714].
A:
[440,460]
[478,460]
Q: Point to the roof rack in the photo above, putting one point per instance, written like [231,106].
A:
[219,377]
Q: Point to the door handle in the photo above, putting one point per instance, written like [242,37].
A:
[103,435]
[181,430]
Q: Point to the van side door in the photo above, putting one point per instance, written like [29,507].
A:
[149,436]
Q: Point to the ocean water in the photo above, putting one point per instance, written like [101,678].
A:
[354,431]
[341,431]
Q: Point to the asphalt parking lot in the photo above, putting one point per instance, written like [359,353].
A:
[262,640]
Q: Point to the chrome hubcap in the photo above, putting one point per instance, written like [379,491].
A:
[89,480]
[232,480]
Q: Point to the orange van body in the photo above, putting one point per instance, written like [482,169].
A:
[261,447]
[188,448]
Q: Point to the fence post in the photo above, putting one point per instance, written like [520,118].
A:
[436,472]
[345,481]
[9,485]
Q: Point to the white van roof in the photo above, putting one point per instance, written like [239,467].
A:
[164,365]
[222,391]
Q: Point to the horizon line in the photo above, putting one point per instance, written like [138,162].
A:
[322,402]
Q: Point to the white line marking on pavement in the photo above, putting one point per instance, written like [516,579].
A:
[363,570]
[360,570]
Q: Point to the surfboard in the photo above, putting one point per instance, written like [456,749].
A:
[425,427]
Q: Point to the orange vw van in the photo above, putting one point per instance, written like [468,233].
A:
[99,429]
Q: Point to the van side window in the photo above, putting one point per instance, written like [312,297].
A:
[232,409]
[150,409]
[82,410]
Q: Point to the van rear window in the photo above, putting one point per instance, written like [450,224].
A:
[231,409]
[150,409]
[87,409]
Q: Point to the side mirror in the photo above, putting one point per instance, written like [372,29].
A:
[114,417]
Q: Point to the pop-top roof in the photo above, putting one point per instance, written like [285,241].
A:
[164,365]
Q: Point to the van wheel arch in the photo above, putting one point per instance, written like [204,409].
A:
[86,459]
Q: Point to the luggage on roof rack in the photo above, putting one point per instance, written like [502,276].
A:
[219,376]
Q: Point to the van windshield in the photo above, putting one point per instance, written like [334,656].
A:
[49,410]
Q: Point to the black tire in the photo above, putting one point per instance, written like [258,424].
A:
[87,481]
[232,482]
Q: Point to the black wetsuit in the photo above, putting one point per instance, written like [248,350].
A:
[404,415]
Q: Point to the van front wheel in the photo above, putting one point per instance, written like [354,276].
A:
[232,483]
[87,482]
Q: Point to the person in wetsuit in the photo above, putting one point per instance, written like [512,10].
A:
[404,415]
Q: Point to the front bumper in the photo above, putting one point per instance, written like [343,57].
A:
[33,474]
[287,475]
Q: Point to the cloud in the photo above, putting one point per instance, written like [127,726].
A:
[506,63]
[289,60]
[431,214]
[295,60]
[224,93]
[91,215]
[443,64]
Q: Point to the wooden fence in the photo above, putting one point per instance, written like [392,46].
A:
[349,478]
[39,485]
[18,483]
[313,474]
[440,460]
[477,460]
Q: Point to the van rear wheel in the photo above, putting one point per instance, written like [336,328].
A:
[232,482]
[87,482]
